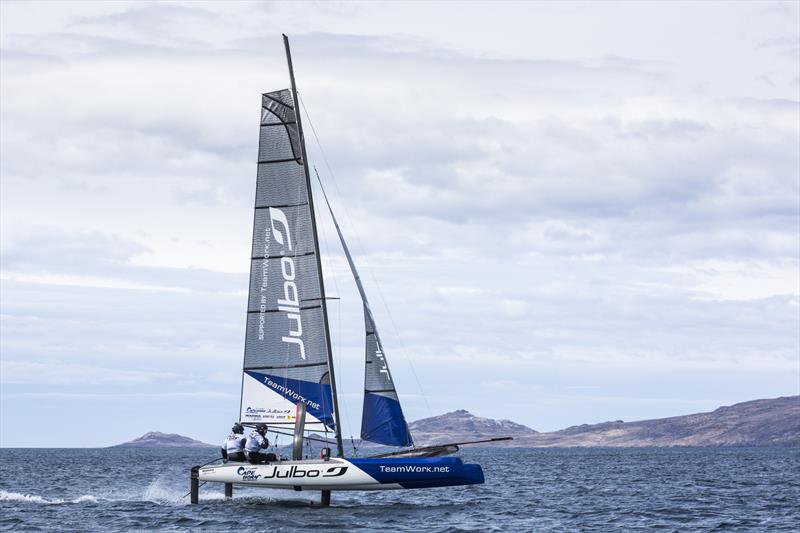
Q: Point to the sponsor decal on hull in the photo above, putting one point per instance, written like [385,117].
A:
[293,472]
[352,474]
[415,469]
[248,474]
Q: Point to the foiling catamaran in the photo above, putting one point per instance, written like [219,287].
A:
[288,377]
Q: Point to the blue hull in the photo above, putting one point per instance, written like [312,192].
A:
[420,472]
[375,473]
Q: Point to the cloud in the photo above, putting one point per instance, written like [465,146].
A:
[619,201]
[53,372]
[213,395]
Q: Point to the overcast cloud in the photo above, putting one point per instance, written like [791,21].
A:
[565,213]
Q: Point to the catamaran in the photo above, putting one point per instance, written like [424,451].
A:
[288,379]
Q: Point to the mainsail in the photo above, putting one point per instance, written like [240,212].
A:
[287,348]
[382,419]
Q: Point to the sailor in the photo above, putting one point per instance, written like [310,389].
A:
[256,446]
[233,445]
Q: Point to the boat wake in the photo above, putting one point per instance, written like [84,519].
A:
[154,493]
[6,496]
[159,492]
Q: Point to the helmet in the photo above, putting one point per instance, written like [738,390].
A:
[237,428]
[261,428]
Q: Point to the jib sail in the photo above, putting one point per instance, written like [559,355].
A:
[286,358]
[382,419]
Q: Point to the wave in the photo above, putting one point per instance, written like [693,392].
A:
[6,496]
[157,492]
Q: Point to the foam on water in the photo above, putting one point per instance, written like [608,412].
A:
[162,492]
[154,493]
[158,494]
[6,496]
[85,498]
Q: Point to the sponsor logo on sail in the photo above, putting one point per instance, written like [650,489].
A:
[290,393]
[254,413]
[382,359]
[271,414]
[290,303]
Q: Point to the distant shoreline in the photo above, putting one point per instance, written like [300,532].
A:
[765,423]
[562,448]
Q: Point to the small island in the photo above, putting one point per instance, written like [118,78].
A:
[156,439]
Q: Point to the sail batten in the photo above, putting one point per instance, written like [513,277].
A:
[382,418]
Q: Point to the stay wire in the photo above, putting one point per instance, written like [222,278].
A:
[338,349]
[198,487]
[361,249]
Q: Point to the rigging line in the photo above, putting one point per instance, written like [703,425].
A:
[201,466]
[385,305]
[361,247]
[316,439]
[402,345]
[338,348]
[198,487]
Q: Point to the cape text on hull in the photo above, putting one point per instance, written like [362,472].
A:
[288,379]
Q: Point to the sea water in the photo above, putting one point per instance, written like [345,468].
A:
[731,489]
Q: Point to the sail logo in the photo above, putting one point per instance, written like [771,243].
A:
[382,359]
[290,393]
[290,303]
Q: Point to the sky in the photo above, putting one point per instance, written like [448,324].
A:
[564,213]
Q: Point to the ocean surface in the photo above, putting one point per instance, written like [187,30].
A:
[734,489]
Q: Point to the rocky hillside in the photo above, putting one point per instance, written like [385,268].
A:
[155,439]
[773,422]
[461,425]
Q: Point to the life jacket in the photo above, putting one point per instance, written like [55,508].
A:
[234,443]
[255,442]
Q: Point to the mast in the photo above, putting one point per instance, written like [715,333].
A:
[339,445]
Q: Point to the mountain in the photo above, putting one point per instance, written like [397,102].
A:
[772,422]
[462,425]
[155,439]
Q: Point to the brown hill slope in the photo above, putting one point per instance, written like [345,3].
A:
[771,422]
